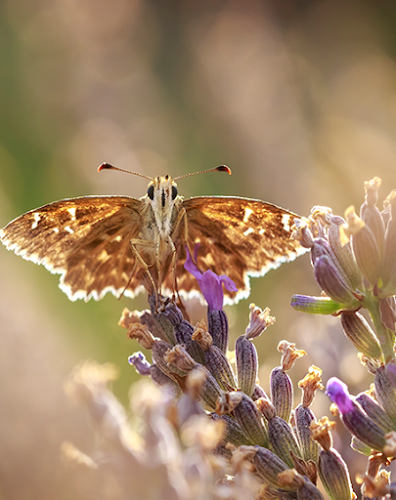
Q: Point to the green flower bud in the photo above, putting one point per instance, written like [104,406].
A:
[303,418]
[334,475]
[316,305]
[281,393]
[332,282]
[268,466]
[247,365]
[282,440]
[359,332]
[246,414]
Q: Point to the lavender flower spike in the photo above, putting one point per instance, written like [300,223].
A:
[210,283]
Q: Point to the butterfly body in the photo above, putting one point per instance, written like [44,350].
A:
[121,244]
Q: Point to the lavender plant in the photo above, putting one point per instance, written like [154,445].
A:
[212,431]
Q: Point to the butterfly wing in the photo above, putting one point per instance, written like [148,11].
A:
[239,237]
[86,240]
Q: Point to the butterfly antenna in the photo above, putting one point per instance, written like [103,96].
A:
[108,166]
[220,168]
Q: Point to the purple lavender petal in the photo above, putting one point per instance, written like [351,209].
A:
[228,283]
[339,394]
[212,289]
[191,267]
[139,361]
[210,283]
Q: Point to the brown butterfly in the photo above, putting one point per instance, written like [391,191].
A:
[120,244]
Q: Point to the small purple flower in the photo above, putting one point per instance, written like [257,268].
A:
[139,361]
[355,419]
[339,394]
[210,283]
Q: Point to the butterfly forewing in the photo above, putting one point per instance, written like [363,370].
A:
[239,237]
[86,240]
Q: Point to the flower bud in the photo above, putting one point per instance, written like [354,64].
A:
[320,247]
[159,377]
[246,414]
[282,440]
[359,332]
[183,332]
[343,255]
[268,465]
[233,433]
[218,328]
[315,305]
[214,358]
[247,365]
[334,475]
[375,412]
[303,418]
[365,247]
[385,392]
[209,390]
[370,213]
[281,393]
[353,417]
[360,447]
[332,282]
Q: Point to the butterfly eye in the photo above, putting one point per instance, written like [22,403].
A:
[150,192]
[174,192]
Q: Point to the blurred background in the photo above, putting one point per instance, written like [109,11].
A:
[297,97]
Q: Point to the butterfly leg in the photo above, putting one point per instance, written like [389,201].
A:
[136,241]
[173,264]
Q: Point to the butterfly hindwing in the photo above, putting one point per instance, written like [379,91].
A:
[86,240]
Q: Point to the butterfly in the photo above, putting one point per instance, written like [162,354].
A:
[122,245]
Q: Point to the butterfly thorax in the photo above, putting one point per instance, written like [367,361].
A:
[161,206]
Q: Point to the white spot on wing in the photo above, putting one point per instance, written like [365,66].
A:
[248,213]
[286,222]
[68,229]
[262,231]
[248,231]
[72,212]
[56,230]
[37,219]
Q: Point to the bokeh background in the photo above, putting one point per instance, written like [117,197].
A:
[297,97]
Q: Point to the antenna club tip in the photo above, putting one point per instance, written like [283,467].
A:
[224,168]
[104,166]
